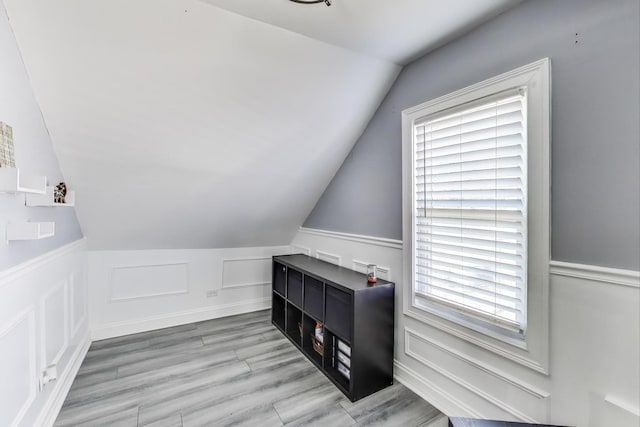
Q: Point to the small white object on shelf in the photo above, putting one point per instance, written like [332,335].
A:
[47,199]
[30,230]
[344,371]
[343,347]
[12,181]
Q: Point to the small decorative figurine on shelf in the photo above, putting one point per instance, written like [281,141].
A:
[7,157]
[371,273]
[59,193]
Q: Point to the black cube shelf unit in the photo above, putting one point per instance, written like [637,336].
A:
[356,317]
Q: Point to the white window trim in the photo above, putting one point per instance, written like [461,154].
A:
[533,350]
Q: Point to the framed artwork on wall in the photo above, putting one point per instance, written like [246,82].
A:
[7,156]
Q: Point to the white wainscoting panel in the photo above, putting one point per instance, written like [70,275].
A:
[17,367]
[329,257]
[594,376]
[55,323]
[242,272]
[37,303]
[297,249]
[161,288]
[476,376]
[78,298]
[145,281]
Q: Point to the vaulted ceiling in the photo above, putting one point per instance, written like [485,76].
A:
[217,123]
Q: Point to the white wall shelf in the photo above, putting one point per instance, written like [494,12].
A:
[30,230]
[47,198]
[11,181]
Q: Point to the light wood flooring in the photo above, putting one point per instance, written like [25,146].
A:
[234,371]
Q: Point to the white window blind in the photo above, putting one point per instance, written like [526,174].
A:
[470,218]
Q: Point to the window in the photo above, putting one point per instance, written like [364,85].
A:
[476,206]
[470,209]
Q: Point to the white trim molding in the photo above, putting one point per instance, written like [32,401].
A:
[623,406]
[329,257]
[478,364]
[613,276]
[12,273]
[464,383]
[359,238]
[27,315]
[429,391]
[225,285]
[182,291]
[51,409]
[45,326]
[150,323]
[301,249]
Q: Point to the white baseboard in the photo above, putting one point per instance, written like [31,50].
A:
[52,406]
[111,330]
[438,397]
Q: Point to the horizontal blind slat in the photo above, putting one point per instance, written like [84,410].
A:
[470,208]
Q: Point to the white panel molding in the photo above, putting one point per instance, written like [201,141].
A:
[297,249]
[476,363]
[52,406]
[480,341]
[381,271]
[623,406]
[180,291]
[432,393]
[9,275]
[64,287]
[329,257]
[26,315]
[594,273]
[77,319]
[117,329]
[359,238]
[225,261]
[463,383]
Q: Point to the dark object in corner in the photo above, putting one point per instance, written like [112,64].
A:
[59,193]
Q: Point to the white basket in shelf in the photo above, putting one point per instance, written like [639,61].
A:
[12,181]
[30,230]
[47,198]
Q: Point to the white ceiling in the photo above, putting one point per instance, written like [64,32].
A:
[183,125]
[393,30]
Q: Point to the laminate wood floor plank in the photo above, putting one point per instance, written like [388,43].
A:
[143,381]
[201,356]
[299,406]
[251,350]
[174,420]
[90,378]
[236,406]
[141,336]
[395,405]
[332,415]
[264,315]
[239,388]
[87,414]
[116,360]
[234,371]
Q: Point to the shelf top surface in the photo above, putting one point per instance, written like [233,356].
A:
[342,276]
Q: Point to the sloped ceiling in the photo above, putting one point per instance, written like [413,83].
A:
[394,30]
[183,125]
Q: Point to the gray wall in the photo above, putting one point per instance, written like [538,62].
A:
[595,126]
[34,155]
